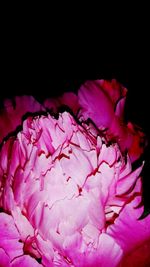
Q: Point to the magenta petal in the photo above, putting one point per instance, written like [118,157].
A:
[100,99]
[11,117]
[68,99]
[113,89]
[103,102]
[120,108]
[130,233]
[95,104]
[4,259]
[51,104]
[71,100]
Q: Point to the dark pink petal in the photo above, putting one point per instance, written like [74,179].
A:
[11,116]
[131,234]
[119,111]
[113,89]
[4,259]
[140,257]
[103,102]
[71,100]
[68,99]
[96,105]
[51,104]
[100,99]
[138,142]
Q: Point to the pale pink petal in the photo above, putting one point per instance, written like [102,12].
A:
[9,237]
[77,160]
[24,227]
[46,249]
[110,253]
[127,182]
[108,155]
[107,252]
[25,261]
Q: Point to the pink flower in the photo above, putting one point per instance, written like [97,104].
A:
[68,196]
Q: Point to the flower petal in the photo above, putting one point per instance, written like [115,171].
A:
[9,237]
[25,261]
[4,259]
[12,114]
[130,233]
[96,105]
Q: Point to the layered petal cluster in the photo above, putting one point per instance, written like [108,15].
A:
[68,196]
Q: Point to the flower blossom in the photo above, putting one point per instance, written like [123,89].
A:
[69,195]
